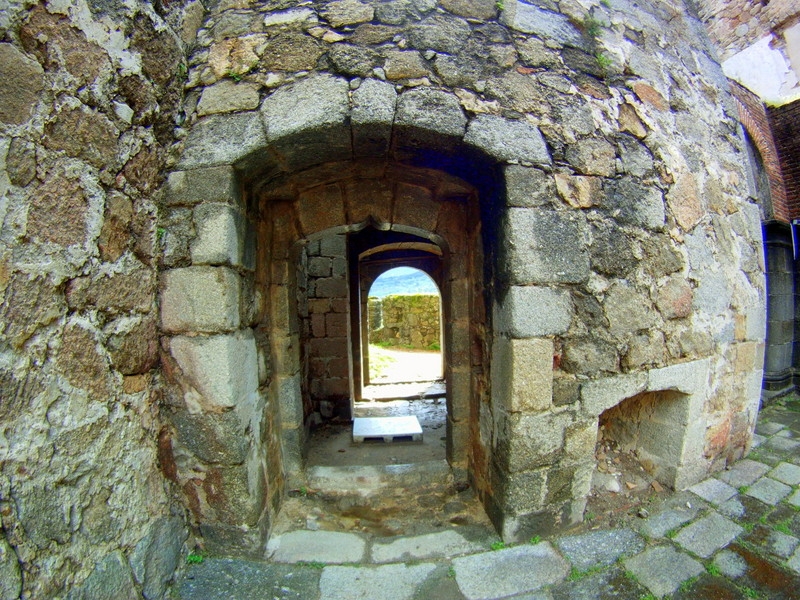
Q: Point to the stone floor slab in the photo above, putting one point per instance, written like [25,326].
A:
[226,578]
[768,491]
[794,499]
[607,584]
[782,444]
[730,564]
[662,569]
[709,534]
[769,427]
[509,572]
[388,582]
[328,547]
[713,490]
[758,440]
[599,548]
[794,562]
[432,545]
[658,525]
[786,473]
[781,544]
[744,472]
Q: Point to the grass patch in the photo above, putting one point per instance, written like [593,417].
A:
[672,533]
[576,575]
[590,516]
[783,527]
[713,570]
[743,489]
[687,585]
[313,564]
[195,558]
[535,540]
[379,361]
[648,597]
[750,592]
[498,545]
[451,572]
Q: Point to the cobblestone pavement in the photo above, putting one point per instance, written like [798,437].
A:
[734,535]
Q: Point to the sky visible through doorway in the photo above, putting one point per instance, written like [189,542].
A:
[402,280]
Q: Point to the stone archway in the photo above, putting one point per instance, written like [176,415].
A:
[539,275]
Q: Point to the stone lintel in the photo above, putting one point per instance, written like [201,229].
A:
[599,395]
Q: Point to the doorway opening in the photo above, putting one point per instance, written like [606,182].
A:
[389,353]
[404,340]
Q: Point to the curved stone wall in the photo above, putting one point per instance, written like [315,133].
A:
[577,164]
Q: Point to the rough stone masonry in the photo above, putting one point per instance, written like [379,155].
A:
[574,166]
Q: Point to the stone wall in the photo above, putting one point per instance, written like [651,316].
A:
[735,24]
[324,304]
[576,167]
[622,255]
[90,96]
[407,320]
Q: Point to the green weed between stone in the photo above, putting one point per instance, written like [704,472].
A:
[313,564]
[750,592]
[498,545]
[713,569]
[783,527]
[535,540]
[576,575]
[194,558]
[687,585]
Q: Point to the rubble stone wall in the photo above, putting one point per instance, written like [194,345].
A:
[90,95]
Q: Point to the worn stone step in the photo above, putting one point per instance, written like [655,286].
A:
[365,481]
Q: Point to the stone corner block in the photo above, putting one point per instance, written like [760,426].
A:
[524,372]
[310,104]
[223,140]
[545,246]
[508,140]
[219,235]
[210,184]
[222,369]
[599,395]
[533,311]
[200,299]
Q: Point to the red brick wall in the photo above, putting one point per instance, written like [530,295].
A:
[785,122]
[756,122]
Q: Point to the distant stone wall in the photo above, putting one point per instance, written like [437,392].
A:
[406,320]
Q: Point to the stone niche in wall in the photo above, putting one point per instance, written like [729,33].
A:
[597,245]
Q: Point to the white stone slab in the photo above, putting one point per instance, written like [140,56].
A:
[441,544]
[386,428]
